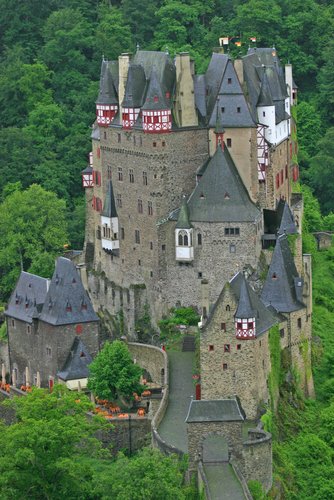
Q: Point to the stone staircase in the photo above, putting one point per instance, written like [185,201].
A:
[188,343]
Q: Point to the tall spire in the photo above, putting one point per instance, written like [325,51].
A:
[183,221]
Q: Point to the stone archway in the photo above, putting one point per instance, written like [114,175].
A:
[215,449]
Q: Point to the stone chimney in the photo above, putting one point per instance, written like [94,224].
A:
[205,300]
[289,80]
[239,69]
[185,109]
[123,68]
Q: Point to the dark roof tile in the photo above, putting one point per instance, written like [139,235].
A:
[219,410]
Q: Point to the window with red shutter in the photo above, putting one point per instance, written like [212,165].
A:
[277,181]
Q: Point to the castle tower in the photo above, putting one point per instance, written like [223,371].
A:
[156,112]
[134,94]
[109,222]
[184,248]
[245,327]
[107,102]
[229,365]
[284,291]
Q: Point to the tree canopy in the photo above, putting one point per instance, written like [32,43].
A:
[33,232]
[113,374]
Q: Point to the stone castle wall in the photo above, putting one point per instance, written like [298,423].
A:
[230,366]
[217,259]
[32,347]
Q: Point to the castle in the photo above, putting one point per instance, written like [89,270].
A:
[190,202]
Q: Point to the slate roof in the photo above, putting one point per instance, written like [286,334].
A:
[216,410]
[183,216]
[87,170]
[28,297]
[279,221]
[162,65]
[265,80]
[107,93]
[287,224]
[265,98]
[67,292]
[213,78]
[76,365]
[245,309]
[220,195]
[109,206]
[229,98]
[135,87]
[264,317]
[283,287]
[155,97]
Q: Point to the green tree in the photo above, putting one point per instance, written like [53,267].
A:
[41,454]
[113,34]
[148,475]
[32,224]
[326,85]
[320,174]
[309,129]
[113,374]
[260,18]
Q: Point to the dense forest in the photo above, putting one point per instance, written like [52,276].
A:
[50,57]
[50,54]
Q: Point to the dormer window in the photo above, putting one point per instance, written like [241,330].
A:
[68,307]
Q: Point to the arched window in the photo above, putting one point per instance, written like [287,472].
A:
[183,239]
[228,308]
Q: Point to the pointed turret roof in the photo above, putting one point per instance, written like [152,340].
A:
[183,218]
[66,301]
[283,287]
[107,93]
[245,309]
[135,87]
[76,365]
[219,129]
[250,305]
[109,207]
[287,224]
[221,196]
[155,98]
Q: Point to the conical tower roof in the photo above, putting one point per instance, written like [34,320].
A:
[109,207]
[245,309]
[280,287]
[107,93]
[219,129]
[183,221]
[135,87]
[287,224]
[155,98]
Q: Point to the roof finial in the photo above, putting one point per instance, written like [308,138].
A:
[137,46]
